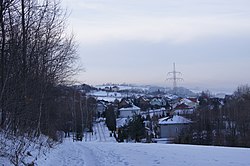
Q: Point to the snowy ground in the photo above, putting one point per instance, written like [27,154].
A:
[101,150]
[133,154]
[107,96]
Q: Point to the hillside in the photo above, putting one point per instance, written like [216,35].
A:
[128,154]
[99,150]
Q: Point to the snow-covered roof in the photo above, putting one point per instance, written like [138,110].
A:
[174,120]
[193,99]
[130,108]
[121,122]
[185,100]
[153,112]
[108,99]
[171,96]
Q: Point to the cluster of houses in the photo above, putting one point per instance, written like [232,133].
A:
[170,115]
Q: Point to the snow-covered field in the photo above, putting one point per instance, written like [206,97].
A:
[107,96]
[125,87]
[137,154]
[98,149]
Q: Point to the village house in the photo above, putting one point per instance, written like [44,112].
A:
[183,110]
[115,88]
[107,88]
[191,102]
[100,108]
[172,126]
[158,102]
[143,103]
[128,111]
[124,103]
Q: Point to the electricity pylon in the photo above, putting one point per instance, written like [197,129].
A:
[174,77]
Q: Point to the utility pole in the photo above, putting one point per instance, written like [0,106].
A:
[174,77]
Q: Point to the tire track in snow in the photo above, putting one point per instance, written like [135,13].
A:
[99,133]
[103,133]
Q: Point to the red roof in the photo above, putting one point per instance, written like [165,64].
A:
[182,106]
[193,100]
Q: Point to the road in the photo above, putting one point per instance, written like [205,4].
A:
[100,134]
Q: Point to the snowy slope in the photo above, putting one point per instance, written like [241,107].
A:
[107,96]
[100,150]
[136,154]
[4,161]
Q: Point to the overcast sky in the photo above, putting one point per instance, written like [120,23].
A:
[137,41]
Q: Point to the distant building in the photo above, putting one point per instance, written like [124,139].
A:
[101,108]
[128,111]
[191,102]
[125,103]
[115,88]
[143,103]
[158,102]
[107,88]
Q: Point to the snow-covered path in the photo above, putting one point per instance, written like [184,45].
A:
[101,150]
[100,134]
[79,153]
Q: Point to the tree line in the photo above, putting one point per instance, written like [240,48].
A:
[221,122]
[37,56]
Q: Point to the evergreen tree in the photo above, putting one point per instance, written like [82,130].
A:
[136,128]
[111,118]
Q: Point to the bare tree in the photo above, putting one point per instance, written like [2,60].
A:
[36,55]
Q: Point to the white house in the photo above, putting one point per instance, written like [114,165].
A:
[171,127]
[128,112]
[158,102]
[191,102]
